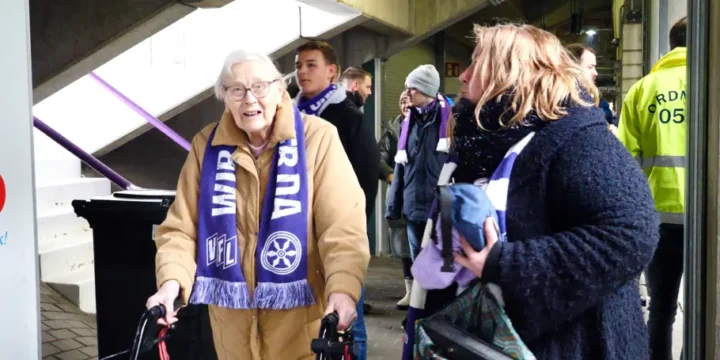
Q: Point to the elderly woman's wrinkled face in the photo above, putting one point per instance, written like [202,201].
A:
[252,96]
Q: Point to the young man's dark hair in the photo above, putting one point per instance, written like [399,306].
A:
[355,73]
[578,49]
[678,34]
[328,52]
[358,84]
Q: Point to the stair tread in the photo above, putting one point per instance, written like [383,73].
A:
[73,181]
[79,278]
[61,242]
[55,211]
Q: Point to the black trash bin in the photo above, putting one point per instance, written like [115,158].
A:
[123,227]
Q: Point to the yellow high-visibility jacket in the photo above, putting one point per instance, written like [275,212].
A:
[653,127]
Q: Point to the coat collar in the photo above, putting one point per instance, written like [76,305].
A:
[228,133]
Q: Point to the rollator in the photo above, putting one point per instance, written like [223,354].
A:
[141,345]
[332,344]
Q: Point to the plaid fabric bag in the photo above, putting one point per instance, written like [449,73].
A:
[473,326]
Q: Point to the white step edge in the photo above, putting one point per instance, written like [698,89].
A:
[59,222]
[66,255]
[63,192]
[79,288]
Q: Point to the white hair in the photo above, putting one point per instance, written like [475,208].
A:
[239,57]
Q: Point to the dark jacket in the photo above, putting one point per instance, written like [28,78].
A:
[581,227]
[358,139]
[388,147]
[413,187]
[609,116]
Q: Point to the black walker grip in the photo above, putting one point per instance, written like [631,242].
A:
[159,311]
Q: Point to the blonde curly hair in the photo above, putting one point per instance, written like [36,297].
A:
[532,67]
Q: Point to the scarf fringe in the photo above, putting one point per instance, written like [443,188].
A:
[283,296]
[443,145]
[212,291]
[401,157]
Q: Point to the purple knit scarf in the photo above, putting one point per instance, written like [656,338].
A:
[443,140]
[281,255]
[315,106]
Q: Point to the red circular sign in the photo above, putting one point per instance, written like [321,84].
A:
[2,193]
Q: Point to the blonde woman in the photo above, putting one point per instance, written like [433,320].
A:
[268,226]
[578,225]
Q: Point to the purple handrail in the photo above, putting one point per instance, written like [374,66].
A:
[151,119]
[84,156]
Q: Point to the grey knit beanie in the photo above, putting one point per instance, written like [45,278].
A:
[425,79]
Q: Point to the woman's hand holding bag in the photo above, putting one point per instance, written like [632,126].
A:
[475,260]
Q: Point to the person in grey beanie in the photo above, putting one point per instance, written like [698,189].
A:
[422,149]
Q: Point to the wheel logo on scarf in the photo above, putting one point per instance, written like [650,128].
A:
[282,253]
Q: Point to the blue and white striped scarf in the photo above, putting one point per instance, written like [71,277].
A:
[497,191]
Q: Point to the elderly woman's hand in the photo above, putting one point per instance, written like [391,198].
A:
[345,306]
[475,260]
[166,295]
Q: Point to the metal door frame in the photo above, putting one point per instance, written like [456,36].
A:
[702,213]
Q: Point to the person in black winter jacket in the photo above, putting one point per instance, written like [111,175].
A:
[320,96]
[315,70]
[580,220]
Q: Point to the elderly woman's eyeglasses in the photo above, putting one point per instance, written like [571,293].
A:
[259,89]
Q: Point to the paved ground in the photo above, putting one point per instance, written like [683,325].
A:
[385,286]
[69,334]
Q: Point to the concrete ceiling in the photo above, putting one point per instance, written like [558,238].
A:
[556,16]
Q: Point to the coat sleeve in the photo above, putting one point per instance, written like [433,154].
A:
[364,155]
[176,237]
[385,155]
[548,280]
[339,217]
[395,194]
[388,148]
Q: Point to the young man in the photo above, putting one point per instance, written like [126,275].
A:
[585,57]
[654,129]
[358,84]
[316,68]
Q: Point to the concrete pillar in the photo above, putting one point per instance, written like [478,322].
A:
[662,14]
[20,310]
[632,49]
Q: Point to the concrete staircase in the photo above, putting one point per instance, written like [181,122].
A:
[65,242]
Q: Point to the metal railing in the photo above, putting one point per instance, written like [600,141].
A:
[142,112]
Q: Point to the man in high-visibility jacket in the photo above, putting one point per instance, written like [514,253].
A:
[653,127]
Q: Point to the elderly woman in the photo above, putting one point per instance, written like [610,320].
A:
[268,226]
[576,216]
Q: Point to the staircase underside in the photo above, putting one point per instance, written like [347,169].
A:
[71,38]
